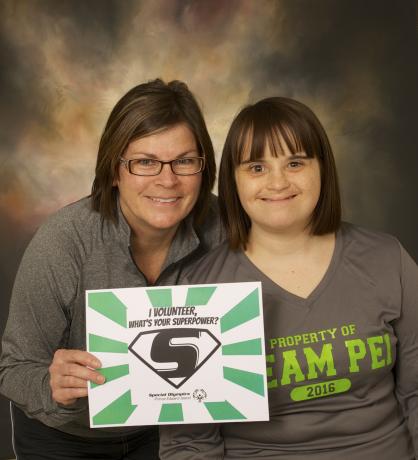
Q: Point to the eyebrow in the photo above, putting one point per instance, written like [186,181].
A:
[297,156]
[155,157]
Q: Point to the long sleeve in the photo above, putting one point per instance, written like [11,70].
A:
[191,442]
[406,330]
[74,250]
[39,323]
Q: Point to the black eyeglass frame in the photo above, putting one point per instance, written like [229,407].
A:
[127,164]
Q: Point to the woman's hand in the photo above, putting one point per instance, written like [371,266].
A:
[69,372]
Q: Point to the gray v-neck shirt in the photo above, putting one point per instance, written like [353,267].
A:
[342,364]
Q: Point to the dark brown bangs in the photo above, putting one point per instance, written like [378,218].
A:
[297,133]
[273,128]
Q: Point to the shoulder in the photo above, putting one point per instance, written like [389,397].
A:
[68,231]
[218,265]
[365,237]
[54,258]
[75,215]
[375,249]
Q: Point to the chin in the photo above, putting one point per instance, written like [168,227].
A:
[285,226]
[165,225]
[166,220]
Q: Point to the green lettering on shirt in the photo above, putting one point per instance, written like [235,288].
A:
[291,368]
[376,351]
[389,349]
[271,383]
[315,362]
[356,351]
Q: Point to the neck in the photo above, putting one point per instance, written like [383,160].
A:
[280,243]
[150,250]
[150,242]
[295,261]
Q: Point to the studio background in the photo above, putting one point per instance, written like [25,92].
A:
[65,64]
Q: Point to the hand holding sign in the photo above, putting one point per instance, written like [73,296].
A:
[69,372]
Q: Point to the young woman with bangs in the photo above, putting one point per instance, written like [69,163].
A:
[340,303]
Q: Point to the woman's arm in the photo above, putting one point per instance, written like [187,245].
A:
[406,330]
[39,324]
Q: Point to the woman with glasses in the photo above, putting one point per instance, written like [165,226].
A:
[340,304]
[150,214]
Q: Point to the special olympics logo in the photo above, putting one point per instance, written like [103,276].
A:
[199,395]
[175,354]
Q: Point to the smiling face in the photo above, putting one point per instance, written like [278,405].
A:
[295,186]
[279,193]
[159,203]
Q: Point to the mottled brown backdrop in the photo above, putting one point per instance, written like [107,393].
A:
[65,63]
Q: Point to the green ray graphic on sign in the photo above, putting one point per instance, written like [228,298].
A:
[244,311]
[117,411]
[199,295]
[104,344]
[223,410]
[112,373]
[108,305]
[248,347]
[249,380]
[171,413]
[160,297]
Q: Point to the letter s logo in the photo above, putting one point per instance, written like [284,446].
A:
[176,346]
[175,354]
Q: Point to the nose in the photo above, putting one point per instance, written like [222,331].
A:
[166,177]
[277,179]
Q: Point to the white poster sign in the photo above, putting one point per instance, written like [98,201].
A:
[177,354]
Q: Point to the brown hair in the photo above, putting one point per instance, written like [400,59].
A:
[269,121]
[146,109]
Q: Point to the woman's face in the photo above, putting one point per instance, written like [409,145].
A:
[279,194]
[152,204]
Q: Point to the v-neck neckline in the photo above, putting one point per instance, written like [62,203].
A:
[272,288]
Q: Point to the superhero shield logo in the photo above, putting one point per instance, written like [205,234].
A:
[175,354]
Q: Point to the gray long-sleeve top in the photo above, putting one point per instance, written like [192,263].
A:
[342,364]
[73,251]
